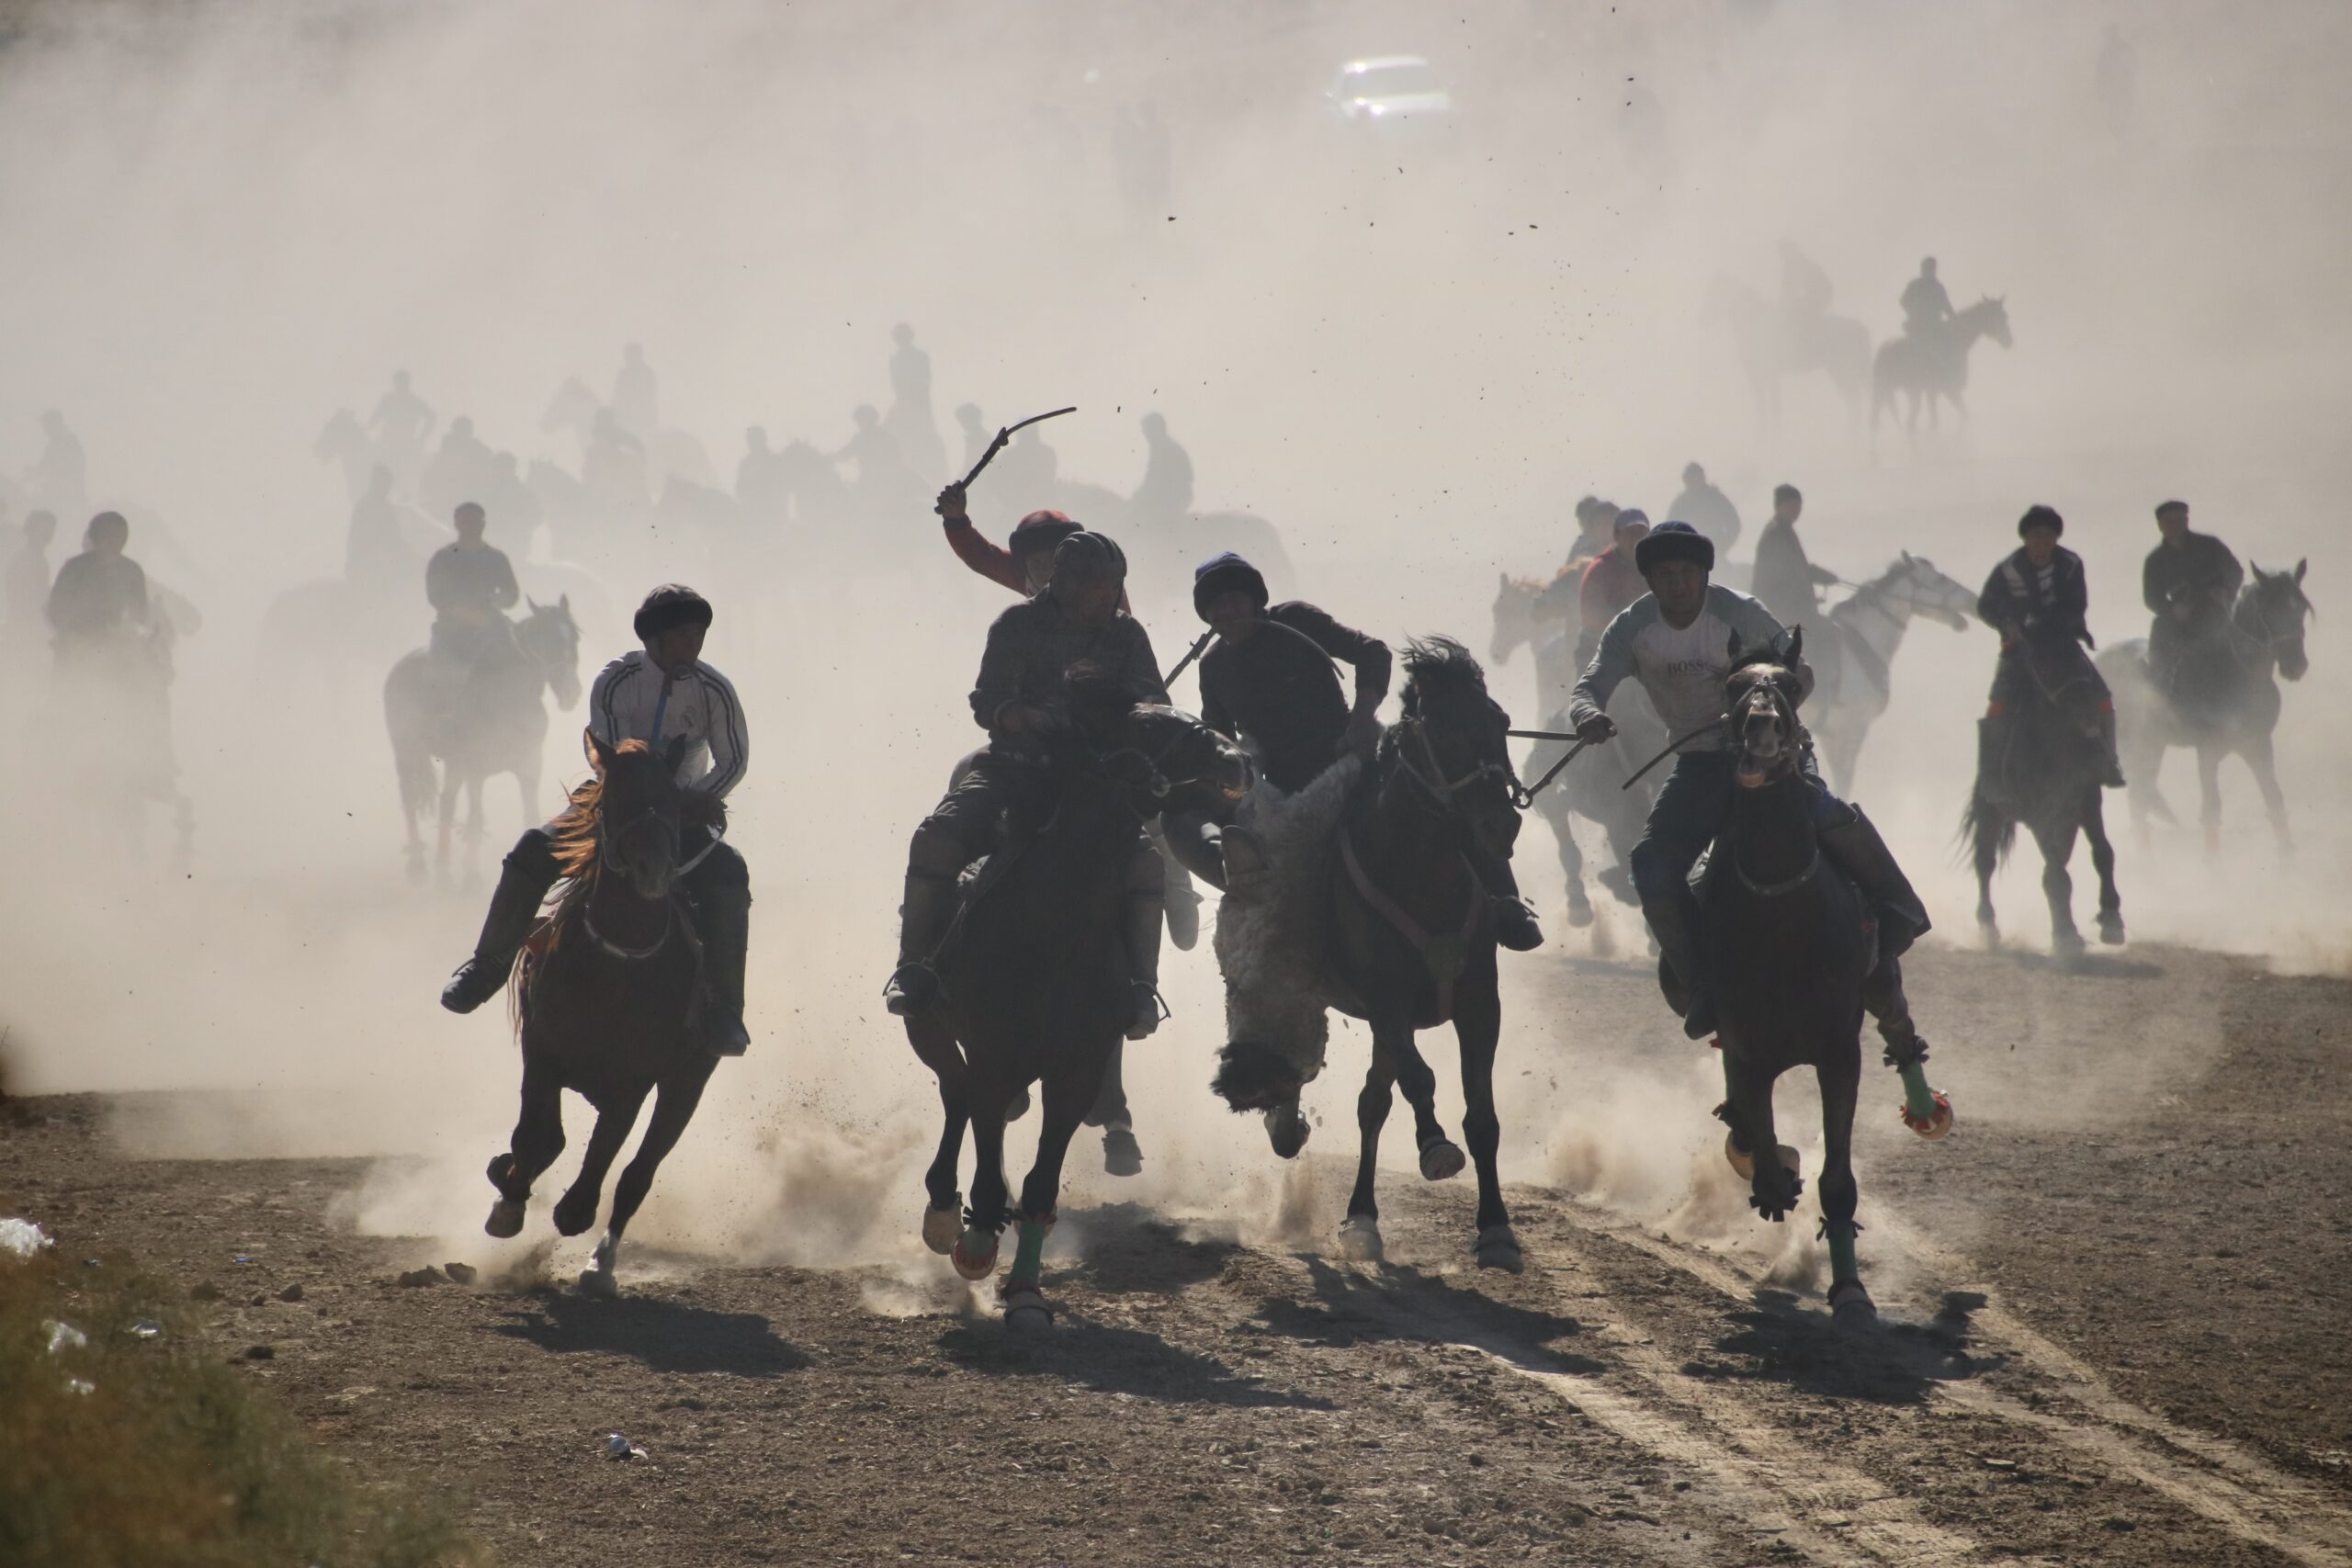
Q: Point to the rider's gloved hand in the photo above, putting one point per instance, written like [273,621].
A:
[950,505]
[1597,728]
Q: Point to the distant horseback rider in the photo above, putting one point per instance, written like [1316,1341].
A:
[1706,508]
[2039,600]
[471,586]
[1558,599]
[1676,642]
[660,694]
[97,608]
[1611,582]
[1020,699]
[1786,581]
[1925,306]
[2190,583]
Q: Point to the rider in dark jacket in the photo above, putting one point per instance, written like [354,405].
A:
[2039,600]
[1018,700]
[2190,583]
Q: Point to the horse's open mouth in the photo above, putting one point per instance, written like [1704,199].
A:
[1753,772]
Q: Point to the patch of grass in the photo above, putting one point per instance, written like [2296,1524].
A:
[131,1450]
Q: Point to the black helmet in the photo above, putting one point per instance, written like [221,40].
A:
[1674,541]
[671,604]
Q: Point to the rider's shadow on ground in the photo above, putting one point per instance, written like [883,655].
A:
[1110,1359]
[664,1335]
[1402,1303]
[1780,1339]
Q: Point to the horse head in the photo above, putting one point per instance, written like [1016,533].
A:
[638,807]
[2273,609]
[1931,593]
[1990,317]
[572,407]
[1514,599]
[1452,743]
[341,438]
[549,638]
[1760,696]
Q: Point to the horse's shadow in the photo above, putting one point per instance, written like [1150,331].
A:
[1781,1341]
[2089,965]
[1128,1250]
[1402,1303]
[664,1335]
[1107,1360]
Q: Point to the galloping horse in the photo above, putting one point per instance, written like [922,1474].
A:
[2231,712]
[1034,977]
[1596,789]
[2046,778]
[1787,939]
[1925,368]
[477,722]
[1412,941]
[1552,639]
[603,994]
[1774,343]
[1867,630]
[668,454]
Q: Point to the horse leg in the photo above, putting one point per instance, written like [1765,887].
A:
[576,1210]
[1774,1183]
[2058,886]
[1441,1158]
[1988,859]
[1572,870]
[450,784]
[536,1140]
[1121,1154]
[2265,768]
[1841,1079]
[936,1044]
[2110,902]
[673,1105]
[1360,1232]
[975,1250]
[1478,1024]
[2208,789]
[475,829]
[1065,1096]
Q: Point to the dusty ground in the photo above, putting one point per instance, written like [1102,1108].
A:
[2116,1305]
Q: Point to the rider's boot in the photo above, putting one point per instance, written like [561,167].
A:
[2110,760]
[925,911]
[1146,914]
[726,926]
[1854,847]
[514,909]
[1515,925]
[1674,923]
[1883,1000]
[1183,904]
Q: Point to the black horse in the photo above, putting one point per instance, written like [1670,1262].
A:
[1789,939]
[602,993]
[2041,768]
[1412,943]
[1033,976]
[2227,703]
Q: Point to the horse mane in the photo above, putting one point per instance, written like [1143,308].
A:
[1438,666]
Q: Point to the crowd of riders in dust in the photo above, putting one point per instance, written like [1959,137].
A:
[1363,866]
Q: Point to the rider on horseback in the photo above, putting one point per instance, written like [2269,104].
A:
[1020,699]
[2038,601]
[660,695]
[1786,581]
[1611,582]
[1025,564]
[1676,642]
[1925,306]
[2190,583]
[470,585]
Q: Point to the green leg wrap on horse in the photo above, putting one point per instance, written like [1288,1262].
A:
[1029,1258]
[1841,1254]
[1917,1097]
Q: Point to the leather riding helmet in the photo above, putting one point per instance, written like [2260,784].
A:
[671,604]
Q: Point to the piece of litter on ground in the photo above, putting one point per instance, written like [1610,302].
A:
[2000,1464]
[459,1273]
[22,1238]
[618,1446]
[146,1328]
[241,1258]
[63,1335]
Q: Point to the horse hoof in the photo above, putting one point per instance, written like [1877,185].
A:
[1122,1156]
[2067,944]
[1742,1164]
[416,874]
[505,1220]
[1286,1130]
[1359,1239]
[599,1283]
[571,1218]
[2110,931]
[1580,914]
[1850,1305]
[1497,1247]
[1933,1126]
[975,1253]
[1018,1106]
[940,1227]
[1442,1160]
[1025,1310]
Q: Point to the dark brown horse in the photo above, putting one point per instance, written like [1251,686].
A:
[1412,941]
[1034,977]
[602,993]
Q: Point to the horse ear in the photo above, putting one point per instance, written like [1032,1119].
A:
[599,755]
[2301,567]
[1502,580]
[1796,645]
[564,603]
[533,603]
[1907,557]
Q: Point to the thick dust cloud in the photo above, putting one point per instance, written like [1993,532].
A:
[1401,350]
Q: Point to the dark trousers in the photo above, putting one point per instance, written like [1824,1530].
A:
[1691,811]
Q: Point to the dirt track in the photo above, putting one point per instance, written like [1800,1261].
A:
[2115,1306]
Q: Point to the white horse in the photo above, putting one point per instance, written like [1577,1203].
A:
[1852,666]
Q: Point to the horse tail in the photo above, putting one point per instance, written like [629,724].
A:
[1980,820]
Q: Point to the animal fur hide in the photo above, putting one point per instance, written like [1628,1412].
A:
[1271,938]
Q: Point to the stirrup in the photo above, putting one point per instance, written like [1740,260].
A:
[910,989]
[1150,1006]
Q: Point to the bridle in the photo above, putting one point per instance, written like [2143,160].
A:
[665,823]
[1412,736]
[1783,712]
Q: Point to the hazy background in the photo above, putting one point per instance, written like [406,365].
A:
[219,222]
